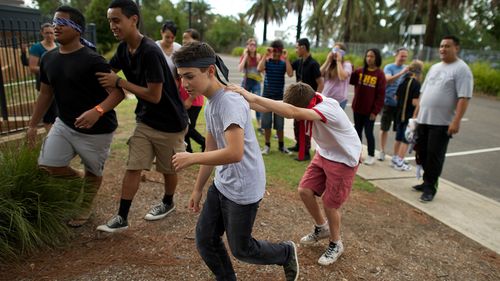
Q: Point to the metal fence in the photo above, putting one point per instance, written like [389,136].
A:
[19,29]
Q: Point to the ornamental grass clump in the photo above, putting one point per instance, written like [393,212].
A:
[34,206]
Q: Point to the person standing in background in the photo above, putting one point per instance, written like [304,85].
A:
[369,92]
[168,44]
[252,78]
[336,73]
[394,74]
[307,70]
[36,51]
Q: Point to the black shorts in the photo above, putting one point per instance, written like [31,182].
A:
[388,117]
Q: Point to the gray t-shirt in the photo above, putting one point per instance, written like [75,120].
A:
[443,86]
[243,182]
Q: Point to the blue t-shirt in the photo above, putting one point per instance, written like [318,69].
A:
[274,83]
[242,182]
[390,89]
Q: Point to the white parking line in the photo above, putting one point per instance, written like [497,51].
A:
[463,120]
[465,152]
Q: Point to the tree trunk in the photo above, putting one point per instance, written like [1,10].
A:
[299,25]
[347,26]
[317,37]
[265,25]
[431,23]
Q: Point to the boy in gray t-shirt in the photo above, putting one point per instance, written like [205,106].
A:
[234,196]
[444,99]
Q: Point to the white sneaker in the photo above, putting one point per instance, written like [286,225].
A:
[394,161]
[381,156]
[115,224]
[318,234]
[332,253]
[402,166]
[265,150]
[369,160]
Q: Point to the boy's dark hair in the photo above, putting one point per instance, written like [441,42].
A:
[277,44]
[194,33]
[299,94]
[74,15]
[170,25]
[193,51]
[452,38]
[304,42]
[378,58]
[129,8]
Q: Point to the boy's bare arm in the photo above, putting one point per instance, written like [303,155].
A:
[151,93]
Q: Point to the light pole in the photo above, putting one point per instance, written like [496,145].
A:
[189,11]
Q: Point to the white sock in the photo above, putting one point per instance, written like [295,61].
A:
[325,225]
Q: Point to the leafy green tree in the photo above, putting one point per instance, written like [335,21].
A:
[226,33]
[318,23]
[96,13]
[268,11]
[47,7]
[298,6]
[201,18]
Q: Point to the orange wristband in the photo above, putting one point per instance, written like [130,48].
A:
[99,109]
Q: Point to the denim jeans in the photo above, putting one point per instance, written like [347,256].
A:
[221,215]
[253,87]
[363,121]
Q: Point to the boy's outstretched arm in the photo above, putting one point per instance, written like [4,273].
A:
[284,109]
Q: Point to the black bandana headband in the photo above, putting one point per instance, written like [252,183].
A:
[206,62]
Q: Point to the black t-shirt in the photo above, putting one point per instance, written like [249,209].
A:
[148,64]
[406,94]
[307,71]
[76,88]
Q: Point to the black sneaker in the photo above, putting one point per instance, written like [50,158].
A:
[418,187]
[115,224]
[428,195]
[292,267]
[159,211]
[294,148]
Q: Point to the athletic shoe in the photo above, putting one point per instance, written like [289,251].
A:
[294,148]
[265,150]
[115,224]
[332,253]
[381,156]
[369,160]
[318,234]
[284,150]
[418,187]
[402,167]
[159,211]
[426,197]
[394,161]
[292,267]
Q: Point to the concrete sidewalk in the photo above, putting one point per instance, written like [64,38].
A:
[469,213]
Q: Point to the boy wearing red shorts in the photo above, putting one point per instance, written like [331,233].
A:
[331,172]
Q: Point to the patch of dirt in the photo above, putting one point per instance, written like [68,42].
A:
[385,239]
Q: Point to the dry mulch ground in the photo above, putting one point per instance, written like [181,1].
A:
[385,239]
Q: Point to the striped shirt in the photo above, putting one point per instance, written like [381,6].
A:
[274,83]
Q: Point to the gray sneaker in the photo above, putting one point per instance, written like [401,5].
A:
[332,253]
[115,224]
[318,234]
[292,267]
[159,211]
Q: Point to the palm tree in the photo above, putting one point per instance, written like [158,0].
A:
[431,9]
[318,22]
[298,6]
[267,10]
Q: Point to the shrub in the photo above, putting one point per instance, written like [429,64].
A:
[33,205]
[486,78]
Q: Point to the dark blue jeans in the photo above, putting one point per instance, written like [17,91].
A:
[220,214]
[253,87]
[363,121]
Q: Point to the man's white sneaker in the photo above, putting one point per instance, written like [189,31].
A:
[369,160]
[265,150]
[381,156]
[318,234]
[402,167]
[332,253]
[115,224]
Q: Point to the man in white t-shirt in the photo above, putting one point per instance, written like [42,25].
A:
[331,172]
[444,98]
